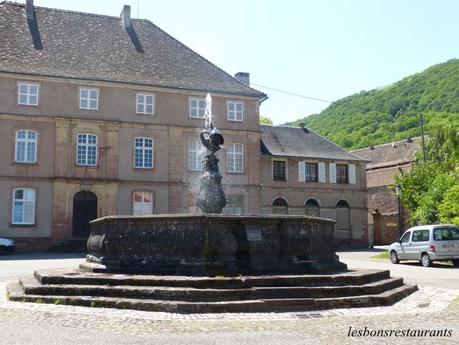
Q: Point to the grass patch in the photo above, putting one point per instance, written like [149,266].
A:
[383,255]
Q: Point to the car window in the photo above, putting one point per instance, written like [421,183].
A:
[405,238]
[420,236]
[446,234]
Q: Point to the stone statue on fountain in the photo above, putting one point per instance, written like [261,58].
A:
[211,197]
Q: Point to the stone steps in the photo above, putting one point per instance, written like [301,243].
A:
[16,293]
[32,287]
[78,277]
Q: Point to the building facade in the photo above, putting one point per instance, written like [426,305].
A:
[386,161]
[104,120]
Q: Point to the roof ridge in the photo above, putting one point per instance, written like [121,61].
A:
[399,141]
[336,145]
[61,10]
[202,57]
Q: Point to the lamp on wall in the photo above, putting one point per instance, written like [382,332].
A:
[398,192]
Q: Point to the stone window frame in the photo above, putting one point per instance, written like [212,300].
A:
[195,154]
[26,141]
[232,115]
[199,101]
[144,150]
[144,104]
[142,192]
[233,157]
[343,177]
[28,94]
[88,99]
[87,145]
[285,169]
[23,200]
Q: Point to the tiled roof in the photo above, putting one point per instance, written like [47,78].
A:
[399,153]
[300,142]
[96,47]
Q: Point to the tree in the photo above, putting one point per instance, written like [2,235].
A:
[265,120]
[430,190]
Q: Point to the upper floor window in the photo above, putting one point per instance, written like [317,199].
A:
[26,146]
[235,111]
[142,203]
[310,172]
[23,206]
[235,158]
[89,99]
[279,170]
[342,173]
[196,153]
[28,94]
[87,149]
[143,153]
[145,103]
[197,107]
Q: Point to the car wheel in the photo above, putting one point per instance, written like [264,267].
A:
[456,262]
[425,260]
[3,250]
[394,257]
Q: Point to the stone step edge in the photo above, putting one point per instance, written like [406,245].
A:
[79,278]
[15,293]
[31,286]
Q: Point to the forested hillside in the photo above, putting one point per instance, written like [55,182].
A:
[382,115]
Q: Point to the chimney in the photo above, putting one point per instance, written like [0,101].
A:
[126,16]
[29,10]
[243,77]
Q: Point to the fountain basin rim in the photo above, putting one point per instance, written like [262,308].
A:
[248,217]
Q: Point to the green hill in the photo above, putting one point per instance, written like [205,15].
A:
[372,117]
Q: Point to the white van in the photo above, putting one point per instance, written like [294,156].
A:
[427,243]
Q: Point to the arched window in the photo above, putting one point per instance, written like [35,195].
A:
[143,153]
[26,146]
[23,206]
[343,220]
[86,149]
[342,203]
[280,206]
[312,208]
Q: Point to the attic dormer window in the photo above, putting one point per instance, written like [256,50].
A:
[89,98]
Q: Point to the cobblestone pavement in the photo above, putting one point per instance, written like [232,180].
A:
[425,309]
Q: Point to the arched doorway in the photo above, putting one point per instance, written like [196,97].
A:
[84,210]
[311,208]
[280,206]
[343,219]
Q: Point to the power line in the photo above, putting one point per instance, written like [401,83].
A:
[291,93]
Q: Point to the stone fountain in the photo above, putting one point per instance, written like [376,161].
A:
[212,244]
[211,262]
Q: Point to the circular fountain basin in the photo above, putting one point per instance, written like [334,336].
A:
[210,245]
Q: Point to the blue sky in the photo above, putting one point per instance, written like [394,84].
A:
[325,49]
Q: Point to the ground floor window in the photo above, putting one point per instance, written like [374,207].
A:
[235,204]
[142,204]
[23,206]
[311,208]
[280,206]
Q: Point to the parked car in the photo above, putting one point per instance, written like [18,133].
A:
[6,246]
[427,243]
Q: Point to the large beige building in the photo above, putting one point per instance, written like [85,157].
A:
[100,115]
